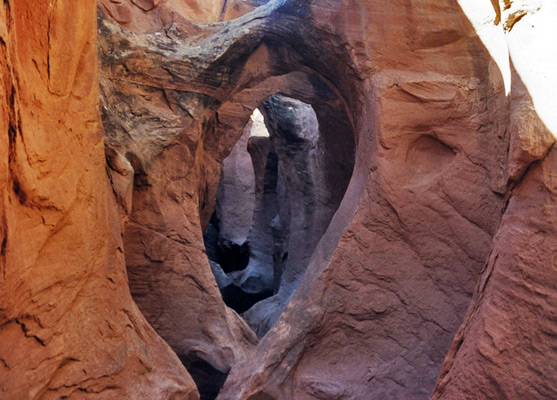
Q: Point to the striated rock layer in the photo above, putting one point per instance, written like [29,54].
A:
[68,326]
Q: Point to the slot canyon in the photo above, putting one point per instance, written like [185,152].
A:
[278,199]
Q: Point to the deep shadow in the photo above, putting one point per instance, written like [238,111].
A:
[233,257]
[302,156]
[209,380]
[241,301]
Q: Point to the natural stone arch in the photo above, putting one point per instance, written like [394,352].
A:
[232,116]
[394,113]
[391,294]
[175,168]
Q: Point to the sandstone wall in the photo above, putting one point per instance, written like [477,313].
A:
[175,122]
[390,281]
[416,224]
[452,199]
[68,325]
[152,15]
[505,347]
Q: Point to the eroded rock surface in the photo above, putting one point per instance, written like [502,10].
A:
[169,274]
[68,325]
[308,192]
[391,278]
[238,230]
[452,199]
[153,15]
[416,224]
[506,346]
[176,167]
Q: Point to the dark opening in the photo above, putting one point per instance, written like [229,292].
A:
[209,380]
[241,301]
[280,187]
[232,256]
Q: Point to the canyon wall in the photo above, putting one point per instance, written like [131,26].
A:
[172,114]
[506,346]
[391,279]
[436,276]
[276,198]
[375,317]
[68,325]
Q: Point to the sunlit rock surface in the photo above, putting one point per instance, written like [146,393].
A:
[506,346]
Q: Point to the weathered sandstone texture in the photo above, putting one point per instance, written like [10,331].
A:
[507,344]
[435,277]
[391,278]
[68,326]
[174,122]
[154,15]
[312,191]
[159,131]
[389,282]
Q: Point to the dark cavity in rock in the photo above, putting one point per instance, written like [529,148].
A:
[280,187]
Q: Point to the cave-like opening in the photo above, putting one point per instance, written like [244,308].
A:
[280,187]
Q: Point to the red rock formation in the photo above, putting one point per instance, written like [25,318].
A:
[389,283]
[176,167]
[153,15]
[158,130]
[506,346]
[443,182]
[415,225]
[68,325]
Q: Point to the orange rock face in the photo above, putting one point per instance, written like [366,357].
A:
[68,325]
[152,15]
[505,347]
[391,279]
